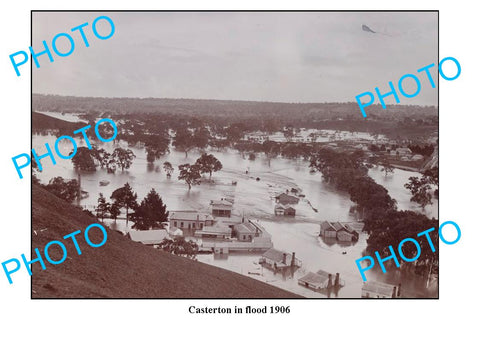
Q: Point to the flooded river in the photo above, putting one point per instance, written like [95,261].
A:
[254,199]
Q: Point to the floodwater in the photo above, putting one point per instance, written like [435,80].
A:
[254,200]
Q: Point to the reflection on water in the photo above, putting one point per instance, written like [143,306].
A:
[255,199]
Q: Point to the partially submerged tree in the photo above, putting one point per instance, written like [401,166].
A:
[85,158]
[156,146]
[387,167]
[208,164]
[123,157]
[167,166]
[190,174]
[420,190]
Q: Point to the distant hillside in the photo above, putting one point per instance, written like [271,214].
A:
[122,268]
[200,107]
[44,122]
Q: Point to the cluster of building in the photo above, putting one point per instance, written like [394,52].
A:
[220,232]
[343,232]
[284,203]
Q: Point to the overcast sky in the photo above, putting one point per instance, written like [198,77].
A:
[284,57]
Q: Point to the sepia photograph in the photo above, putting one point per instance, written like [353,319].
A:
[234,154]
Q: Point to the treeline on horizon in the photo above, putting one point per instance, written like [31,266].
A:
[98,105]
[397,121]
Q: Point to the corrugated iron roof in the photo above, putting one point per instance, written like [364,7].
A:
[190,216]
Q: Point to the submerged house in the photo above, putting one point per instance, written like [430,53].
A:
[320,280]
[284,210]
[341,231]
[285,199]
[276,259]
[380,290]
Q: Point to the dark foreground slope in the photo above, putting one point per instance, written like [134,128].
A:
[122,268]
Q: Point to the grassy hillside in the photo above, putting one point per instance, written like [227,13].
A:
[122,268]
[44,122]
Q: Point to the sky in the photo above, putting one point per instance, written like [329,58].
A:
[274,56]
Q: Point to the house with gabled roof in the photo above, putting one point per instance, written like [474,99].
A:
[190,219]
[276,259]
[221,208]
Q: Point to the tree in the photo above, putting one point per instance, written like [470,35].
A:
[190,174]
[84,159]
[114,210]
[67,190]
[151,212]
[179,246]
[420,190]
[167,166]
[103,157]
[183,140]
[125,197]
[156,146]
[123,157]
[208,164]
[103,206]
[387,167]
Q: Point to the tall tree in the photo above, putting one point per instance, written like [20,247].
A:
[208,164]
[114,210]
[125,197]
[123,157]
[103,207]
[167,166]
[151,212]
[190,174]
